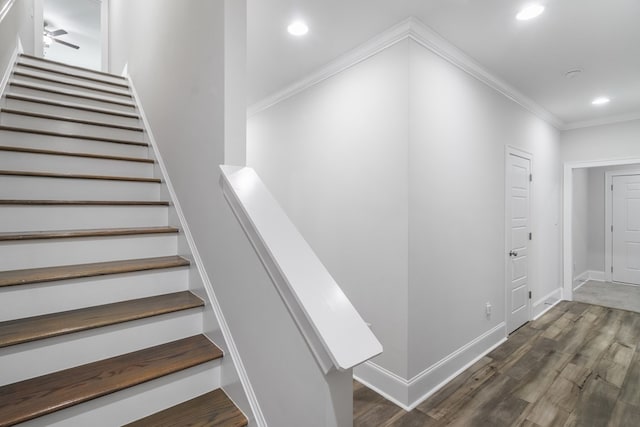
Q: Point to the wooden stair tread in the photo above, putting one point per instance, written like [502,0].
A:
[65,234]
[72,66]
[29,329]
[207,410]
[75,154]
[71,135]
[29,399]
[72,84]
[72,75]
[70,119]
[72,93]
[84,202]
[35,99]
[79,176]
[49,274]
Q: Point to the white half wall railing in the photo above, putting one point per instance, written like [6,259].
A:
[336,334]
[5,6]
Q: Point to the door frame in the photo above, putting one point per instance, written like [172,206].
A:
[513,151]
[608,219]
[567,215]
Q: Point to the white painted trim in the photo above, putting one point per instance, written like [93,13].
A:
[104,35]
[602,121]
[332,327]
[410,393]
[416,30]
[541,306]
[7,72]
[6,8]
[608,219]
[224,327]
[580,279]
[513,151]
[38,25]
[567,215]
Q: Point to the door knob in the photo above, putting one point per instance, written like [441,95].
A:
[513,253]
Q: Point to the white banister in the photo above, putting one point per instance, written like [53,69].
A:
[335,332]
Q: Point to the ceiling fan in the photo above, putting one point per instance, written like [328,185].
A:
[50,36]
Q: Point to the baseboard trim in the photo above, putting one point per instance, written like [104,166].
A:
[258,415]
[581,279]
[410,393]
[546,303]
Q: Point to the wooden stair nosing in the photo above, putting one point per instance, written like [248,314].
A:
[207,410]
[78,85]
[72,75]
[79,176]
[72,66]
[71,136]
[71,94]
[75,154]
[71,234]
[70,119]
[28,202]
[34,99]
[32,398]
[20,331]
[78,271]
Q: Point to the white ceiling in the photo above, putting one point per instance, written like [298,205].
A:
[602,37]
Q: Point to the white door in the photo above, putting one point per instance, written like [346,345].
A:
[626,229]
[518,229]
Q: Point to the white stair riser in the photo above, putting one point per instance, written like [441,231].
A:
[137,402]
[17,161]
[71,98]
[44,142]
[36,107]
[50,253]
[23,361]
[63,78]
[51,297]
[37,188]
[35,218]
[61,126]
[69,70]
[85,87]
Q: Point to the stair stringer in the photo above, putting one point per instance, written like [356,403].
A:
[215,326]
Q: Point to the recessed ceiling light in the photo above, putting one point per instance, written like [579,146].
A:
[530,12]
[298,28]
[601,100]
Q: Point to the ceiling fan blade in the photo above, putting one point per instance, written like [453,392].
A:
[74,46]
[56,33]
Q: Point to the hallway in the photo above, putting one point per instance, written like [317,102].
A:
[578,365]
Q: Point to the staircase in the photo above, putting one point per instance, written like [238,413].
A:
[97,323]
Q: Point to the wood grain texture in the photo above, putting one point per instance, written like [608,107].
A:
[208,410]
[55,103]
[74,94]
[48,274]
[74,75]
[74,154]
[29,329]
[71,135]
[70,234]
[576,366]
[70,119]
[75,67]
[29,399]
[79,176]
[73,84]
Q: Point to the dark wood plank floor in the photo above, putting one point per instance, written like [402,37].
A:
[578,365]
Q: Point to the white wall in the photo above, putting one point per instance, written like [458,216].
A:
[581,231]
[176,53]
[17,23]
[393,170]
[459,130]
[614,141]
[335,157]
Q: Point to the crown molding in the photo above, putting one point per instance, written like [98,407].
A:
[627,117]
[416,30]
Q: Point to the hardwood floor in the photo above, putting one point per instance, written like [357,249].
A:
[578,365]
